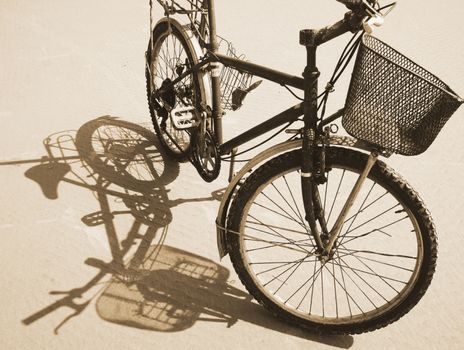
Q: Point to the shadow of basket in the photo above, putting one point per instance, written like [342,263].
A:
[176,289]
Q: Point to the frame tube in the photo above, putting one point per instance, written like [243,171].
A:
[260,71]
[215,75]
[287,116]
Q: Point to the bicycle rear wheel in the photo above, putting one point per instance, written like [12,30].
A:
[383,260]
[170,55]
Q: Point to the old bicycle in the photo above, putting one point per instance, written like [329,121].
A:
[322,233]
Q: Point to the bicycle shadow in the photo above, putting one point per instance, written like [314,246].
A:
[120,164]
[149,285]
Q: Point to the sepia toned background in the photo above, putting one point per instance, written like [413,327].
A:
[63,64]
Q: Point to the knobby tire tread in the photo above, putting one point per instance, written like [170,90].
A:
[391,181]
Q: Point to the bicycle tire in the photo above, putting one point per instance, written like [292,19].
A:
[166,31]
[254,274]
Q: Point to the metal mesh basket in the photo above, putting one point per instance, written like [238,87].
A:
[232,79]
[394,103]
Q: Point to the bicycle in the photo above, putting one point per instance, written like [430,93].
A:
[323,233]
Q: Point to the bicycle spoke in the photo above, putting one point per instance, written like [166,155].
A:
[274,268]
[176,57]
[348,295]
[335,288]
[380,262]
[277,233]
[359,288]
[296,264]
[274,211]
[346,291]
[383,278]
[304,283]
[372,231]
[248,237]
[280,228]
[322,290]
[283,210]
[169,58]
[336,195]
[280,262]
[353,251]
[376,274]
[304,296]
[294,201]
[355,271]
[360,208]
[273,244]
[369,205]
[163,55]
[296,212]
[181,49]
[311,287]
[375,217]
[286,279]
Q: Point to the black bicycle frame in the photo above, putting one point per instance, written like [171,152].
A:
[308,83]
[311,39]
[312,131]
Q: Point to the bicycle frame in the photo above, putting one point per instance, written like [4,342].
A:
[311,133]
[309,38]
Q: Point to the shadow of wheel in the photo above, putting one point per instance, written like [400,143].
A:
[125,154]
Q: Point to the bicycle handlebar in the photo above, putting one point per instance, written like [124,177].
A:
[351,23]
[369,11]
[351,4]
[362,15]
[358,4]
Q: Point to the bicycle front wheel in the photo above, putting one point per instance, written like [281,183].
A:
[383,260]
[169,55]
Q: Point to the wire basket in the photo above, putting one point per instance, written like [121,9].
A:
[394,103]
[232,79]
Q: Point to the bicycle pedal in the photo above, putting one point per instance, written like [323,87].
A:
[184,117]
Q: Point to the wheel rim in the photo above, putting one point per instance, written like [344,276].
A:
[375,266]
[168,58]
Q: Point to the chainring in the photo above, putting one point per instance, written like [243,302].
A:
[205,156]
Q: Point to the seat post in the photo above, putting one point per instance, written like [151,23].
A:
[215,75]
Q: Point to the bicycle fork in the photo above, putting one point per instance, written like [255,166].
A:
[310,176]
[309,135]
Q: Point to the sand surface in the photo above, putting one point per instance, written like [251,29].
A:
[63,65]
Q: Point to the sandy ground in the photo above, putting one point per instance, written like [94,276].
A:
[64,64]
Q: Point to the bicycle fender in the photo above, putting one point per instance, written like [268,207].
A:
[232,188]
